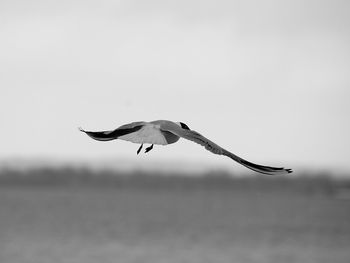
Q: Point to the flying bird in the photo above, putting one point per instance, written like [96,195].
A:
[164,132]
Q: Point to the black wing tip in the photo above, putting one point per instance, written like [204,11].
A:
[266,169]
[277,171]
[283,169]
[289,170]
[273,170]
[81,129]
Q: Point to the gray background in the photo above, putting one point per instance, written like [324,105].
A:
[268,80]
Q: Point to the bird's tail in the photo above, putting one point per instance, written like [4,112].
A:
[101,135]
[257,167]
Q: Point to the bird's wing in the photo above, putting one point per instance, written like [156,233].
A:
[114,134]
[216,149]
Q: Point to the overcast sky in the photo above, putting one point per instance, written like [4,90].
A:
[268,80]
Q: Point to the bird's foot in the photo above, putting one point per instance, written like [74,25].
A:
[149,148]
[138,151]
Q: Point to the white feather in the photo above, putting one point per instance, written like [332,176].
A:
[148,134]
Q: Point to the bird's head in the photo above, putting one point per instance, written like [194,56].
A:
[183,125]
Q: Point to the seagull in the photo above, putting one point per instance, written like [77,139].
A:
[164,132]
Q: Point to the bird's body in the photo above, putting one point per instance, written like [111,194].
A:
[164,132]
[152,133]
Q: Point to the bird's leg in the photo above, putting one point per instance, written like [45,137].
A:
[149,148]
[138,151]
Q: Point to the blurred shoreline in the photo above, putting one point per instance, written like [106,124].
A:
[77,175]
[181,167]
